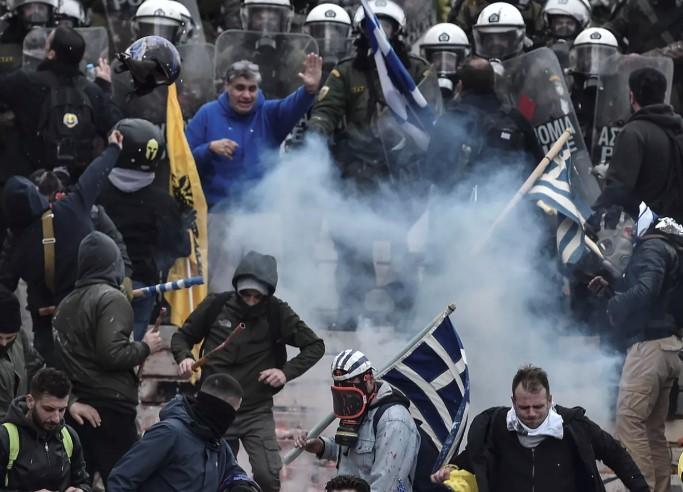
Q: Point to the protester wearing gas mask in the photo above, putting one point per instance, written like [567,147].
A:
[384,453]
[641,289]
[186,445]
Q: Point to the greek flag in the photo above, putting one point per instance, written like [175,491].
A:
[401,95]
[433,374]
[553,191]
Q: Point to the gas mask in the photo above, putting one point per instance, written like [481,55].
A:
[615,238]
[350,403]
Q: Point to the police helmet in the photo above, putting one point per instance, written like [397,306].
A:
[499,32]
[330,25]
[267,16]
[558,16]
[391,16]
[593,51]
[348,364]
[158,18]
[143,144]
[34,12]
[72,14]
[445,46]
[152,61]
[189,26]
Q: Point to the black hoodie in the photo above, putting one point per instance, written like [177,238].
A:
[42,462]
[643,157]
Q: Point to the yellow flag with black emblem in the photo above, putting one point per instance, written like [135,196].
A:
[186,188]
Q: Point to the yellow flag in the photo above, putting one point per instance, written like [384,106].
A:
[187,190]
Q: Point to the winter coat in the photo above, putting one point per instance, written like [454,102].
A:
[255,349]
[17,366]
[23,206]
[640,307]
[260,131]
[179,453]
[385,460]
[92,330]
[150,222]
[488,440]
[42,462]
[643,158]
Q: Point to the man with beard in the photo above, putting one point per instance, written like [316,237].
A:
[38,451]
[256,357]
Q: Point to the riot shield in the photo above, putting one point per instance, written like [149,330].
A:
[195,85]
[10,57]
[96,46]
[420,16]
[534,84]
[278,56]
[332,51]
[151,107]
[198,35]
[612,106]
[118,17]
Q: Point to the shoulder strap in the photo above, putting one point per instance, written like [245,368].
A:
[47,220]
[383,406]
[13,434]
[275,329]
[67,442]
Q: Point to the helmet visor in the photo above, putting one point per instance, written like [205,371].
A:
[498,43]
[35,14]
[592,59]
[267,19]
[332,37]
[445,61]
[161,27]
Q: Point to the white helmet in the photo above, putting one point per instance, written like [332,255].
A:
[158,18]
[267,16]
[499,31]
[34,12]
[384,10]
[557,12]
[330,26]
[349,364]
[189,25]
[445,46]
[71,12]
[593,50]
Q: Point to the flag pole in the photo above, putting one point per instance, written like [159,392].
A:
[528,184]
[325,422]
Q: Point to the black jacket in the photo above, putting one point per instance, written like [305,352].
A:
[92,330]
[642,164]
[42,462]
[640,308]
[23,206]
[490,447]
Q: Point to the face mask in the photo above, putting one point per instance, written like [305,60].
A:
[213,412]
[616,243]
[350,404]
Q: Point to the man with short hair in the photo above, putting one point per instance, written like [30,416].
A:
[537,445]
[347,483]
[647,164]
[38,451]
[186,444]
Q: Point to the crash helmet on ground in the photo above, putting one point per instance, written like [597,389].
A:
[348,364]
[143,144]
[445,46]
[593,51]
[34,13]
[152,61]
[499,32]
[188,28]
[390,15]
[566,18]
[330,26]
[72,14]
[158,18]
[267,16]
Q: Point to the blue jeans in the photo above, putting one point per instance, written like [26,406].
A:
[142,312]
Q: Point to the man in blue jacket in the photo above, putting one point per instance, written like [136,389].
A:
[185,451]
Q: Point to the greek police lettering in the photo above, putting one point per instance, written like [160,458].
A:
[606,141]
[549,132]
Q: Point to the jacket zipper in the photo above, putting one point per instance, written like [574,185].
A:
[533,469]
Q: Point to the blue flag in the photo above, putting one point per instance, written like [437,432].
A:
[433,374]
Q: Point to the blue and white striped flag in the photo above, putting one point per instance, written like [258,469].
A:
[401,95]
[554,190]
[433,374]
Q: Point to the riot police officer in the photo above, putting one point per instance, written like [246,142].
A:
[267,16]
[26,14]
[499,33]
[564,19]
[445,46]
[72,14]
[158,18]
[330,26]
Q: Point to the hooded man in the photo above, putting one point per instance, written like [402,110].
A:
[256,357]
[38,451]
[186,444]
[45,240]
[92,326]
[381,448]
[17,358]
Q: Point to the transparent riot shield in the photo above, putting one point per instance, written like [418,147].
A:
[279,57]
[534,84]
[612,106]
[118,17]
[332,51]
[151,107]
[10,57]
[195,85]
[197,35]
[96,46]
[420,16]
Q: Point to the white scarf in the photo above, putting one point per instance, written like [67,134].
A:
[530,438]
[130,180]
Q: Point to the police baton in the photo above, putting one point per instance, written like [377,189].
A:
[238,329]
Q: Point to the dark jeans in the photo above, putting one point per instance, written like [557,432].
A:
[105,445]
[42,338]
[142,312]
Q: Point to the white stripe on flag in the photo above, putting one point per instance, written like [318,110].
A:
[415,412]
[392,96]
[564,229]
[445,357]
[564,201]
[429,392]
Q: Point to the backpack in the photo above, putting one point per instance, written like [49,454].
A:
[14,446]
[272,318]
[66,122]
[426,454]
